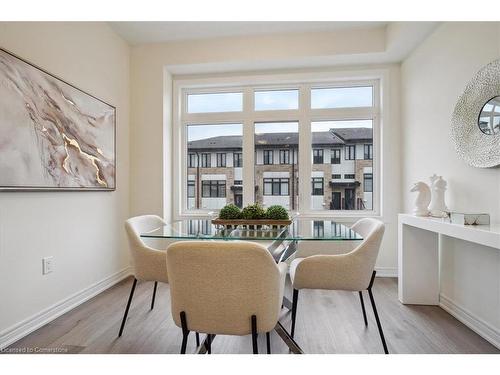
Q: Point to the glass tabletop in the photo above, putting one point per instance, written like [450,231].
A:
[299,230]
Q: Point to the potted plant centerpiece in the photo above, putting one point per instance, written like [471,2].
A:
[253,215]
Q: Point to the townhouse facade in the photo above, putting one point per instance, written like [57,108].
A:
[342,170]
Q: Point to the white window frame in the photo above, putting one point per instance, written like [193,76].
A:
[378,78]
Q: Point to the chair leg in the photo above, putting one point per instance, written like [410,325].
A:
[268,342]
[374,307]
[128,307]
[197,339]
[294,310]
[209,343]
[154,295]
[185,332]
[254,335]
[363,307]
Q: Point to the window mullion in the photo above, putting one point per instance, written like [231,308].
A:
[248,147]
[305,145]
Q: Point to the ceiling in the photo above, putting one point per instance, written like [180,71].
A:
[165,31]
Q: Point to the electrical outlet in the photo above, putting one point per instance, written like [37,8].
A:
[47,265]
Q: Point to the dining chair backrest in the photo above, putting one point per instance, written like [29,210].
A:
[219,285]
[365,255]
[149,263]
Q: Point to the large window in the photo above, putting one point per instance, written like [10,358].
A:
[335,123]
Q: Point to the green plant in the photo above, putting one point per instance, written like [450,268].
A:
[230,212]
[253,212]
[277,212]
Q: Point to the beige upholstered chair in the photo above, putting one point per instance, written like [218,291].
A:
[353,271]
[149,264]
[224,287]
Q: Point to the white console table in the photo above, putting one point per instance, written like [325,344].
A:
[418,253]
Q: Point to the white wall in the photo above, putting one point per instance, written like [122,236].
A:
[83,231]
[433,77]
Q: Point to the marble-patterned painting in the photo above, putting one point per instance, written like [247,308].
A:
[52,135]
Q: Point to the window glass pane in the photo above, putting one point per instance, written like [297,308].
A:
[368,183]
[317,186]
[342,97]
[219,102]
[212,181]
[276,182]
[284,186]
[276,99]
[268,187]
[343,145]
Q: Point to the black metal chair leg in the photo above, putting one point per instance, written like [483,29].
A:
[254,335]
[268,342]
[128,307]
[209,343]
[154,295]
[197,339]
[294,310]
[185,332]
[374,307]
[363,307]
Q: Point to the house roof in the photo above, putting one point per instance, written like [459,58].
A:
[354,134]
[332,137]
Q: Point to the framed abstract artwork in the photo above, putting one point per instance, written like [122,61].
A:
[53,136]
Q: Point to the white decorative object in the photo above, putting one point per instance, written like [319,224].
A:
[476,141]
[438,208]
[423,198]
[469,219]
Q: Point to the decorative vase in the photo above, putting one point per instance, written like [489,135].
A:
[437,207]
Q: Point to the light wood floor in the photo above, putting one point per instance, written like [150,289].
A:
[327,322]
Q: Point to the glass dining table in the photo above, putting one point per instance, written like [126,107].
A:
[281,242]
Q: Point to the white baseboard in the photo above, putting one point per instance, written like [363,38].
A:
[19,330]
[386,271]
[475,323]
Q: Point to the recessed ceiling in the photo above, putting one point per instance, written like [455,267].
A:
[157,32]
